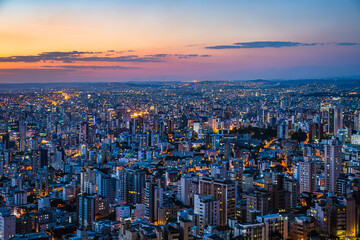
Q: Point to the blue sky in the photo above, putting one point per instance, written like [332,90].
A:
[240,39]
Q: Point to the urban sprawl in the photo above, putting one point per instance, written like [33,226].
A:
[246,160]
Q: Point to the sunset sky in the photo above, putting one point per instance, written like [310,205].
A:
[171,40]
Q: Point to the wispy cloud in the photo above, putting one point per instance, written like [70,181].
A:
[348,44]
[276,44]
[261,44]
[190,55]
[76,56]
[180,56]
[74,67]
[107,56]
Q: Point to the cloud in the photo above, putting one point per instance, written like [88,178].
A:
[348,44]
[129,58]
[107,56]
[161,55]
[190,55]
[121,52]
[91,67]
[179,56]
[276,44]
[261,44]
[45,56]
[75,56]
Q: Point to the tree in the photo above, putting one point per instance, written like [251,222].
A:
[300,136]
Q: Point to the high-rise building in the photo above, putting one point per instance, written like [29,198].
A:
[82,132]
[357,122]
[132,183]
[316,131]
[338,119]
[247,182]
[274,223]
[307,176]
[332,164]
[58,160]
[283,130]
[331,120]
[208,210]
[258,203]
[355,227]
[87,176]
[122,212]
[86,210]
[7,225]
[69,192]
[300,228]
[196,126]
[158,201]
[20,198]
[255,230]
[331,216]
[90,207]
[291,186]
[150,201]
[44,202]
[335,119]
[222,190]
[40,159]
[107,187]
[184,190]
[352,227]
[212,123]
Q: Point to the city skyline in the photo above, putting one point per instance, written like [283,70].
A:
[179,120]
[180,160]
[91,41]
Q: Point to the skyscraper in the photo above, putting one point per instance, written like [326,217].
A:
[338,119]
[82,132]
[132,183]
[86,210]
[86,177]
[332,164]
[335,119]
[291,185]
[315,131]
[90,207]
[40,159]
[225,192]
[107,187]
[185,190]
[331,120]
[208,209]
[307,176]
[150,201]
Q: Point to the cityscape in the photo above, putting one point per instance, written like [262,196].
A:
[181,160]
[179,120]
